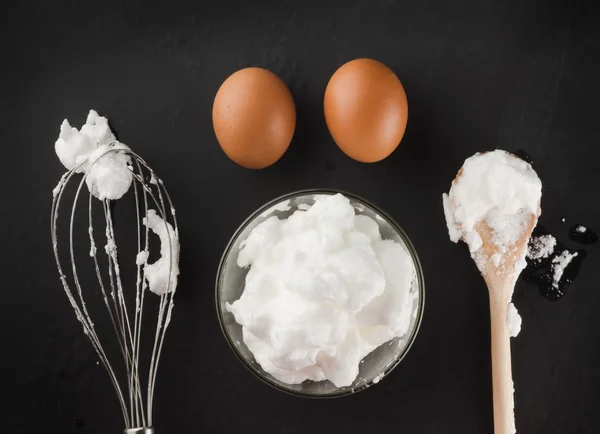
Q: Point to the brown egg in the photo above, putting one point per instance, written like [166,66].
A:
[366,110]
[254,117]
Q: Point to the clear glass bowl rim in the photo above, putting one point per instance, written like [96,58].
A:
[411,249]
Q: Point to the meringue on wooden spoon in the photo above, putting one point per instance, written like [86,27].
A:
[493,206]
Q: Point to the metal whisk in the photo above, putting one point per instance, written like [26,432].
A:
[135,396]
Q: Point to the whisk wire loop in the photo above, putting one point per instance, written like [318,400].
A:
[148,190]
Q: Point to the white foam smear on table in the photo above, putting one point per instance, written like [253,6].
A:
[323,290]
[94,150]
[502,191]
[559,264]
[541,247]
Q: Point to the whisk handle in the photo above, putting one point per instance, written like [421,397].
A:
[139,431]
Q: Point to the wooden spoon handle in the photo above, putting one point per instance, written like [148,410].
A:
[504,417]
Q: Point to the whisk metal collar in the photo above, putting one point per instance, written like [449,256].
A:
[139,431]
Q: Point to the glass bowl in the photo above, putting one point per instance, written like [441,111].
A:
[230,285]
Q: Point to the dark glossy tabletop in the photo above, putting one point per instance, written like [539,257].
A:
[520,75]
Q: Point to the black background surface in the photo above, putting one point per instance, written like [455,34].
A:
[478,75]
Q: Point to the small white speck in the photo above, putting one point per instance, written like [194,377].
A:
[141,258]
[56,189]
[378,378]
[237,342]
[581,229]
[563,220]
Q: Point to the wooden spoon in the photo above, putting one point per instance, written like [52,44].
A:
[500,276]
[500,280]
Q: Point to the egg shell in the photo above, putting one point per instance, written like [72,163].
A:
[366,110]
[254,117]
